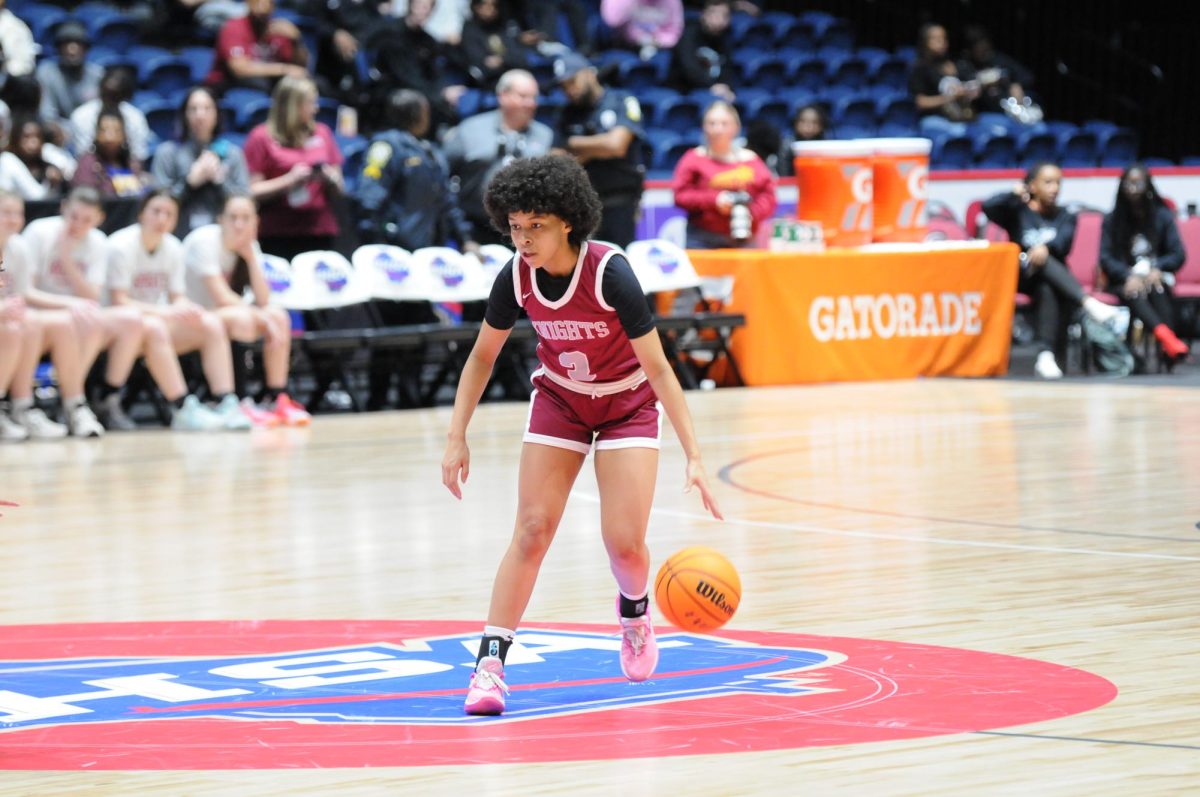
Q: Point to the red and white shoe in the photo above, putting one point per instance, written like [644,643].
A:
[264,419]
[291,413]
[488,690]
[639,650]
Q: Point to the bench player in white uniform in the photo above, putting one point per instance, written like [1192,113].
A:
[145,271]
[27,335]
[223,259]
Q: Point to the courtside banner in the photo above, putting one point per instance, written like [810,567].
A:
[890,311]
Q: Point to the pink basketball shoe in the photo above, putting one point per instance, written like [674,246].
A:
[639,650]
[486,693]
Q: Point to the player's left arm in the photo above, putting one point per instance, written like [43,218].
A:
[649,351]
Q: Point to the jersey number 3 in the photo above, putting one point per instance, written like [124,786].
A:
[576,363]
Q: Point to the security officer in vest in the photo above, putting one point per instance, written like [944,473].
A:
[404,190]
[602,128]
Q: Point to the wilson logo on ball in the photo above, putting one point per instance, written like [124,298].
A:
[697,589]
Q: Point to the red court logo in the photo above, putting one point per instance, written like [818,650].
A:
[224,695]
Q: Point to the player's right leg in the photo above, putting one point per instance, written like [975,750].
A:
[122,337]
[59,340]
[547,473]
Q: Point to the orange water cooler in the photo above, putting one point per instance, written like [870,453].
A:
[834,179]
[901,172]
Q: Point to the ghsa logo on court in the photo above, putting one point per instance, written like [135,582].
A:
[414,682]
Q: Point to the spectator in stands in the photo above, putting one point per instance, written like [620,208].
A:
[109,167]
[26,335]
[116,93]
[223,260]
[24,167]
[809,123]
[409,58]
[404,190]
[491,44]
[1045,231]
[68,258]
[726,189]
[201,168]
[548,18]
[482,144]
[942,97]
[68,81]
[1140,251]
[17,44]
[602,128]
[1000,77]
[256,50]
[644,25]
[701,58]
[295,172]
[145,271]
[342,30]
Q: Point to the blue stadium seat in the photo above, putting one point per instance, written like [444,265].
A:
[838,33]
[251,113]
[1034,146]
[891,72]
[898,130]
[831,95]
[199,60]
[680,114]
[1153,162]
[747,32]
[661,142]
[847,70]
[163,118]
[849,132]
[112,30]
[773,109]
[765,71]
[791,31]
[1117,147]
[809,74]
[167,75]
[1077,148]
[637,74]
[951,152]
[42,20]
[327,112]
[994,151]
[855,111]
[110,59]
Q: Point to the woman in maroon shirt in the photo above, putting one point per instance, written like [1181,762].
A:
[109,167]
[726,189]
[295,172]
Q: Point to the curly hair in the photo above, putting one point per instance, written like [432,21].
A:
[552,184]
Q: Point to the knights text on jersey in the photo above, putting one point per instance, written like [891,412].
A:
[580,338]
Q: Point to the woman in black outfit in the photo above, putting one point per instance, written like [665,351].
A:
[1140,249]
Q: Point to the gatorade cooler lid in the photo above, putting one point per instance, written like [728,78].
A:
[901,146]
[862,147]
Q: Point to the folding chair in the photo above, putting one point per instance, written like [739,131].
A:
[693,341]
[327,282]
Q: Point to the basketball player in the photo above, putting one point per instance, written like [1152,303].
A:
[603,381]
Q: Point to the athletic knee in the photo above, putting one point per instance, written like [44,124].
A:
[534,532]
[627,552]
[155,331]
[213,328]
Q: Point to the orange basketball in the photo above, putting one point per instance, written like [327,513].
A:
[697,589]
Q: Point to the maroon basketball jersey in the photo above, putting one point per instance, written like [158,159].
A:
[581,343]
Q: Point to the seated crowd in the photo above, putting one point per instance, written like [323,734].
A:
[449,92]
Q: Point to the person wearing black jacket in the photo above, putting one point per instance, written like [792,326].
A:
[1045,231]
[701,58]
[1140,251]
[408,57]
[491,45]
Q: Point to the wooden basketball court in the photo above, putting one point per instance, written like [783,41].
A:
[1055,522]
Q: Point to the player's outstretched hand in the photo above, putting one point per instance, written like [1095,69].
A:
[697,478]
[456,465]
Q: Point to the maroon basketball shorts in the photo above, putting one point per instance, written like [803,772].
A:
[563,418]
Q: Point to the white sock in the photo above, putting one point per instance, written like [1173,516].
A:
[503,633]
[21,405]
[71,402]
